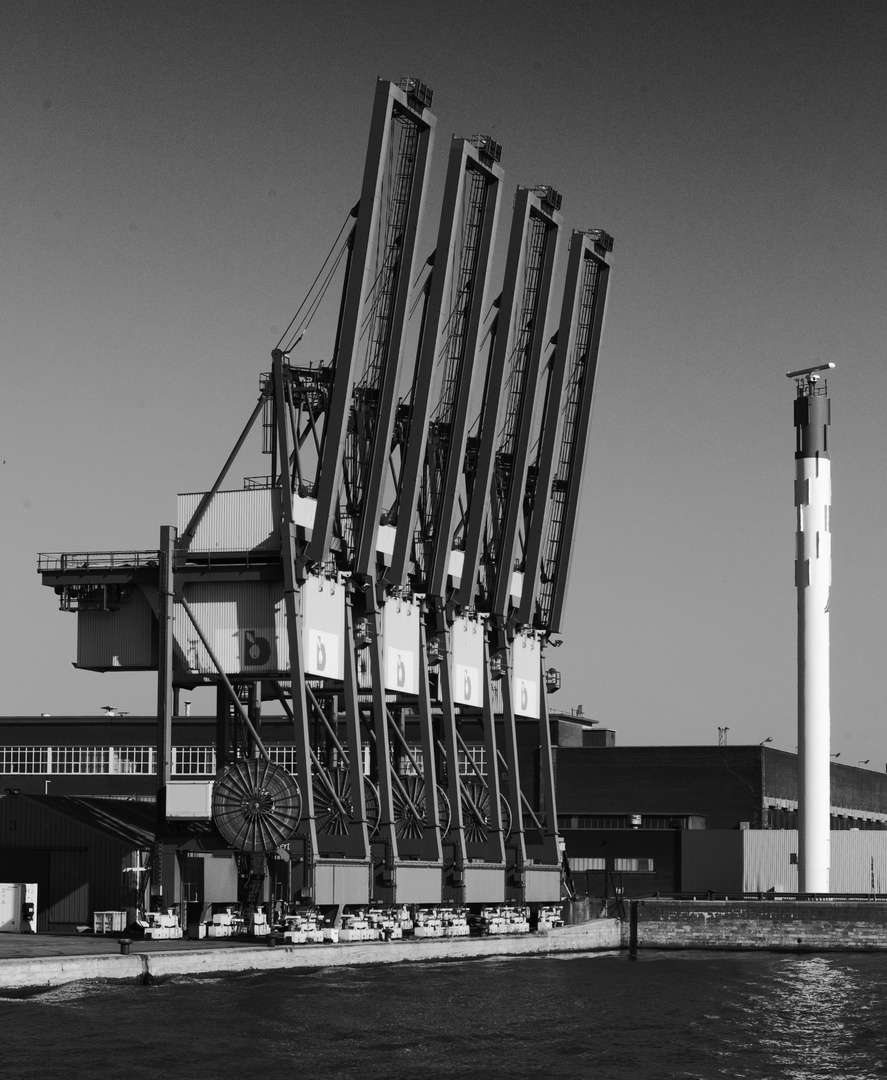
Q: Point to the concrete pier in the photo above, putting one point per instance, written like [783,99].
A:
[33,961]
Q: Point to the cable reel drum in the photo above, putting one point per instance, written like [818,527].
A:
[256,806]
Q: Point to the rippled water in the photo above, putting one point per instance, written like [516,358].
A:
[663,1015]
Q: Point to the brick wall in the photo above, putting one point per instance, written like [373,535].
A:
[765,924]
[723,784]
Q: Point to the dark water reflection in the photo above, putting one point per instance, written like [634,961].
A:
[664,1015]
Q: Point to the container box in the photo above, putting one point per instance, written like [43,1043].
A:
[108,922]
[191,799]
[18,908]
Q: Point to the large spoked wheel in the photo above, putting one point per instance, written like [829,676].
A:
[334,815]
[256,805]
[477,831]
[409,826]
[373,805]
[444,812]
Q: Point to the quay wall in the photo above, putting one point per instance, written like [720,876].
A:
[599,935]
[778,925]
[786,925]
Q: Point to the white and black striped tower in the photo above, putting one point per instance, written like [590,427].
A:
[813,578]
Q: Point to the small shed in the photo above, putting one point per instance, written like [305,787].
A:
[85,854]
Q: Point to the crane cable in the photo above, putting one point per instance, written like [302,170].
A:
[315,301]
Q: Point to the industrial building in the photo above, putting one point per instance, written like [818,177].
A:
[625,812]
[86,788]
[84,855]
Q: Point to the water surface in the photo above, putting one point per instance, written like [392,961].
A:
[664,1015]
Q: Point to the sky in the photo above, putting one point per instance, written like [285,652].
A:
[173,175]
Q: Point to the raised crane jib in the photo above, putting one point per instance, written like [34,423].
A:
[426,461]
[363,402]
[498,470]
[552,498]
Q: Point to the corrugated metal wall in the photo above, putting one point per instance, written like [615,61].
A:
[69,880]
[859,862]
[760,860]
[124,639]
[712,859]
[234,521]
[85,867]
[768,862]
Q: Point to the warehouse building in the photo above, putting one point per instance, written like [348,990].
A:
[631,817]
[85,855]
[625,812]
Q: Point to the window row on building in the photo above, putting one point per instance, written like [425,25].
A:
[472,761]
[622,866]
[110,760]
[781,817]
[630,821]
[187,760]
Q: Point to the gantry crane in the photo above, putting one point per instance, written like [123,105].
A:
[495,469]
[368,583]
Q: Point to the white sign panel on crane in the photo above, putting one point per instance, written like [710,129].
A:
[323,628]
[468,662]
[241,621]
[526,675]
[400,634]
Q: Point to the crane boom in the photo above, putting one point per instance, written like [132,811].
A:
[554,499]
[502,451]
[361,409]
[434,436]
